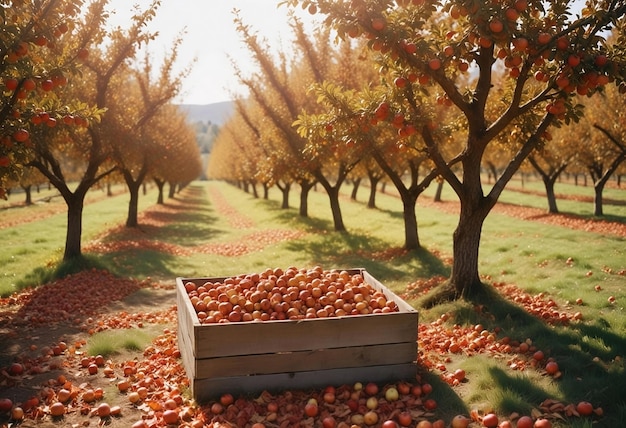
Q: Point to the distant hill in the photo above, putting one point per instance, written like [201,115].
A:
[217,113]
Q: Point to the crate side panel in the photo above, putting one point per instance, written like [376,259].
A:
[188,322]
[216,340]
[187,355]
[320,359]
[208,389]
[402,305]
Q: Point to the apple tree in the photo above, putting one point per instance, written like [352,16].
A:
[601,143]
[174,152]
[34,62]
[85,141]
[137,94]
[280,89]
[272,91]
[549,50]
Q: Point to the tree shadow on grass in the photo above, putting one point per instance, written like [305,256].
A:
[164,234]
[354,249]
[589,355]
[140,263]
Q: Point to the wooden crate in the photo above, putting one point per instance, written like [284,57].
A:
[249,357]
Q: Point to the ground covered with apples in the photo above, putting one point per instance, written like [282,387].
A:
[49,377]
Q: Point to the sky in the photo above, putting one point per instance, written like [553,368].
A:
[211,38]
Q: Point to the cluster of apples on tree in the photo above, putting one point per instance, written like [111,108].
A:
[525,38]
[38,58]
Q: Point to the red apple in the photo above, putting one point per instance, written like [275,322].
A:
[5,405]
[371,388]
[11,84]
[329,422]
[584,408]
[311,409]
[104,410]
[490,420]
[460,421]
[378,24]
[430,404]
[573,60]
[47,85]
[496,26]
[405,419]
[29,85]
[16,369]
[525,422]
[434,64]
[521,5]
[542,423]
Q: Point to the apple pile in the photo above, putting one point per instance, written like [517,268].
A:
[70,299]
[538,305]
[368,404]
[291,294]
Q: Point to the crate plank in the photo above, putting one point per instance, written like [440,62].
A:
[319,359]
[211,388]
[216,340]
[186,355]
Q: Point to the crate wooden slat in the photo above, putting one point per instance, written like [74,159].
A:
[210,388]
[317,359]
[249,355]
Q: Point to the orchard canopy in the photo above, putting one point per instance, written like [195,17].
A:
[463,80]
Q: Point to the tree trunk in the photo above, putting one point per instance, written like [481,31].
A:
[465,247]
[491,167]
[549,185]
[29,197]
[266,191]
[285,195]
[255,192]
[411,236]
[438,191]
[75,204]
[109,189]
[549,176]
[597,199]
[172,191]
[305,188]
[371,201]
[133,210]
[355,188]
[333,197]
[160,184]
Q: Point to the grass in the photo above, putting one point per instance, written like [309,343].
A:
[112,342]
[31,253]
[564,264]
